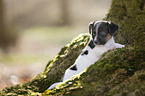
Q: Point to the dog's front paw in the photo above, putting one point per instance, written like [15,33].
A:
[119,45]
[122,46]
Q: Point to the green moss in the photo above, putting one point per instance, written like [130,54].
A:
[131,86]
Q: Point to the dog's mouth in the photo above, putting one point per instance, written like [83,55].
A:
[96,42]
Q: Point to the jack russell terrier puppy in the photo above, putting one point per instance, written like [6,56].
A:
[100,42]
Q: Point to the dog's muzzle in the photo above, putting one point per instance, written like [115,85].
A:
[96,42]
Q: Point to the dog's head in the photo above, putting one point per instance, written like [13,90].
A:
[102,31]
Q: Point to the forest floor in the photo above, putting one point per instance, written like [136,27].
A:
[34,48]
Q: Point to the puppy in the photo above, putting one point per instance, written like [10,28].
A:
[100,42]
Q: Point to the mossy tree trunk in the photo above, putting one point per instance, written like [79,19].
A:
[130,16]
[119,72]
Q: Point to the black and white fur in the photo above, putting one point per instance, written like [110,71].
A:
[100,42]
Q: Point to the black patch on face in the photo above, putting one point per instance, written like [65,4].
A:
[85,53]
[91,44]
[73,67]
[100,33]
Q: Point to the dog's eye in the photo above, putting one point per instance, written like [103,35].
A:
[103,34]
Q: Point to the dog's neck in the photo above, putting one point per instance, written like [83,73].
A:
[110,42]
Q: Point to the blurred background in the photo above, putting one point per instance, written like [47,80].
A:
[32,32]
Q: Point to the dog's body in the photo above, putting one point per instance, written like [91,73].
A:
[100,42]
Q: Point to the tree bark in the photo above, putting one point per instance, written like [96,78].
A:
[2,29]
[65,12]
[7,35]
[118,72]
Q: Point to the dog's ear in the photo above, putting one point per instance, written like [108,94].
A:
[90,26]
[112,27]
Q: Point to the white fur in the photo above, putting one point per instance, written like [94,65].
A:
[53,85]
[83,62]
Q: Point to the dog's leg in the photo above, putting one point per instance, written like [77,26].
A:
[68,74]
[54,85]
[119,45]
